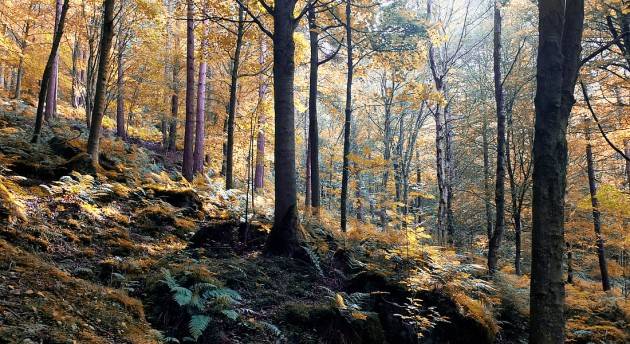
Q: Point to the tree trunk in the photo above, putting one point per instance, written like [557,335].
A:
[259,177]
[313,128]
[348,120]
[560,31]
[189,134]
[51,98]
[514,194]
[101,81]
[39,117]
[486,177]
[120,86]
[229,153]
[200,127]
[120,95]
[20,70]
[449,172]
[499,198]
[75,72]
[285,237]
[172,129]
[592,186]
[627,152]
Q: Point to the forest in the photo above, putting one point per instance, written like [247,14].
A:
[314,171]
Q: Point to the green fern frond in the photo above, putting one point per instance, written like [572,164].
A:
[271,328]
[233,295]
[169,280]
[230,314]
[182,295]
[198,324]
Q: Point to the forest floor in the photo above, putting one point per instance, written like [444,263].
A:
[131,253]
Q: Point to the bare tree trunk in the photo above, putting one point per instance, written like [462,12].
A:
[560,31]
[20,70]
[285,237]
[592,186]
[120,85]
[486,177]
[229,153]
[51,98]
[313,128]
[101,81]
[499,198]
[514,194]
[39,117]
[259,177]
[449,173]
[189,134]
[75,72]
[627,146]
[172,129]
[348,120]
[200,127]
[569,264]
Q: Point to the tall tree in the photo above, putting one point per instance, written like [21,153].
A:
[597,224]
[259,176]
[189,134]
[348,118]
[229,151]
[499,198]
[285,236]
[107,35]
[313,126]
[560,27]
[39,117]
[51,98]
[200,126]
[120,84]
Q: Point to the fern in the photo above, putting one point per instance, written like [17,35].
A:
[201,298]
[182,295]
[198,323]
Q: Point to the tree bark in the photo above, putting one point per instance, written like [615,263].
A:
[39,117]
[75,72]
[560,31]
[51,98]
[120,85]
[592,186]
[284,238]
[20,70]
[189,130]
[259,176]
[200,126]
[514,193]
[313,125]
[348,120]
[499,198]
[101,81]
[486,177]
[229,153]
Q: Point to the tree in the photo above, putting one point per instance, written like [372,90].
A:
[39,117]
[107,35]
[200,126]
[285,237]
[313,127]
[51,98]
[592,186]
[229,149]
[348,118]
[559,32]
[499,200]
[189,134]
